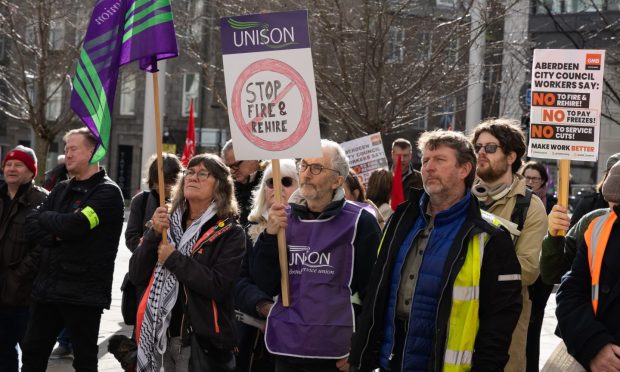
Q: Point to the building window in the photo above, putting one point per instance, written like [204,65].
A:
[421,122]
[446,114]
[30,35]
[449,4]
[57,35]
[396,42]
[54,100]
[128,94]
[576,6]
[191,82]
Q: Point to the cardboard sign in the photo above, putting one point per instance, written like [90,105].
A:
[565,117]
[272,104]
[366,155]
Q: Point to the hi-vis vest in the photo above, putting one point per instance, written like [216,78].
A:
[463,323]
[597,236]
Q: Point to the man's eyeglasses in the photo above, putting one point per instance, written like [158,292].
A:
[286,182]
[202,175]
[315,169]
[533,179]
[235,166]
[489,148]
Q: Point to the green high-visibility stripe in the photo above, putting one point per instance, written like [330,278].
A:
[136,4]
[158,19]
[146,12]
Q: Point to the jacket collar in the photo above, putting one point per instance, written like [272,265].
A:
[87,184]
[299,205]
[456,211]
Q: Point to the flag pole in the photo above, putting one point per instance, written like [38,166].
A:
[158,140]
[282,254]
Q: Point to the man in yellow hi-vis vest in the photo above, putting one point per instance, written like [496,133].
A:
[589,297]
[444,294]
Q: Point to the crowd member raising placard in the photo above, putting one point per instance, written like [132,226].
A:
[190,298]
[332,244]
[588,305]
[249,299]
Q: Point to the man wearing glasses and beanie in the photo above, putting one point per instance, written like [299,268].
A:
[332,245]
[500,145]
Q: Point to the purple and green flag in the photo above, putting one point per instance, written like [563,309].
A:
[120,32]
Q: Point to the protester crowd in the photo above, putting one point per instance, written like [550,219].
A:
[452,275]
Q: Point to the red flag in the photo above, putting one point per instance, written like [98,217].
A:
[190,139]
[398,196]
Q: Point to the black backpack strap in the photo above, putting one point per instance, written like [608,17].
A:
[519,213]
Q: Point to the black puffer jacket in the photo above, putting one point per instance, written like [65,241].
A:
[585,333]
[18,254]
[208,277]
[78,252]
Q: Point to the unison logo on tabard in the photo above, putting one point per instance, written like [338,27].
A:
[303,256]
[257,33]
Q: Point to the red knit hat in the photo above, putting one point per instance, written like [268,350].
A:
[24,154]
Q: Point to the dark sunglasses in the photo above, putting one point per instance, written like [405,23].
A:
[286,182]
[489,148]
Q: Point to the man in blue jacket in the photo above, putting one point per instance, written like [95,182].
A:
[78,228]
[445,290]
[331,248]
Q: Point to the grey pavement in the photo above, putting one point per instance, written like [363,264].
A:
[112,323]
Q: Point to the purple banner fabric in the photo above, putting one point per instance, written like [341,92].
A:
[319,321]
[265,32]
[119,32]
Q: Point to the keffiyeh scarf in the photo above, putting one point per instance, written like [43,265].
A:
[164,291]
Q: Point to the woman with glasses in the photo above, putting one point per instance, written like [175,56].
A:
[249,299]
[192,273]
[536,178]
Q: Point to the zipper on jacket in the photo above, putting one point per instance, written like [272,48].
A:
[374,304]
[443,290]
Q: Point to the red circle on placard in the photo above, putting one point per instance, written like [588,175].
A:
[282,68]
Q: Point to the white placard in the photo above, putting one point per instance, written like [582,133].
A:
[270,88]
[366,155]
[565,117]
